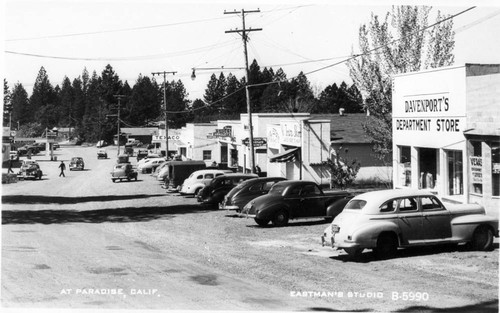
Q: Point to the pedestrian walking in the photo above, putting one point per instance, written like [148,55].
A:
[11,160]
[62,166]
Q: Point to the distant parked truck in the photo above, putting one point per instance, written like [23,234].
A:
[123,158]
[178,171]
[129,149]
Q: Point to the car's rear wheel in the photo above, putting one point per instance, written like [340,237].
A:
[280,219]
[387,245]
[261,222]
[482,239]
[113,180]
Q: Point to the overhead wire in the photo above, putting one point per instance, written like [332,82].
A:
[351,57]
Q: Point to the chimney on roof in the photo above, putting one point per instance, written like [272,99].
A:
[341,111]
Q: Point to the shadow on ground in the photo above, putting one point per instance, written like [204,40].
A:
[39,199]
[369,256]
[120,215]
[482,307]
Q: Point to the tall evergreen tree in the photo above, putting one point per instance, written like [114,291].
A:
[20,104]
[7,107]
[66,116]
[145,103]
[177,104]
[43,95]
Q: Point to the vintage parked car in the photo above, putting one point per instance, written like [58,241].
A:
[248,190]
[214,193]
[22,151]
[199,179]
[148,157]
[388,219]
[123,171]
[76,163]
[30,169]
[101,153]
[56,146]
[293,199]
[150,165]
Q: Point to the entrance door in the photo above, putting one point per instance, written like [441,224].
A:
[428,168]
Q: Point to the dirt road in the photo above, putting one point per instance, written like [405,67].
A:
[85,242]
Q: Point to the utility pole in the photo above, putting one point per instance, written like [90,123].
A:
[165,105]
[243,32]
[119,97]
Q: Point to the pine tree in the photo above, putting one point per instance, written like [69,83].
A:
[20,104]
[7,107]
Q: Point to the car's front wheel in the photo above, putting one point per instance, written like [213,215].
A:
[280,219]
[482,239]
[354,253]
[261,222]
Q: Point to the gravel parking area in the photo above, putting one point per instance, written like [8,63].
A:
[84,232]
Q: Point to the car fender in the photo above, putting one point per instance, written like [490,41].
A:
[367,234]
[335,208]
[462,227]
[268,212]
[196,185]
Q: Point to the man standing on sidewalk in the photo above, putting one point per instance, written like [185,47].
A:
[11,160]
[62,166]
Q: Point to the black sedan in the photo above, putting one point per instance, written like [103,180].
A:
[248,190]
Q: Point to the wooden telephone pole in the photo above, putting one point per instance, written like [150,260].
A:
[119,97]
[243,32]
[165,105]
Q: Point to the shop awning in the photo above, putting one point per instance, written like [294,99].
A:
[286,156]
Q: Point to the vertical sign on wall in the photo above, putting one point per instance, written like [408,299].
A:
[476,169]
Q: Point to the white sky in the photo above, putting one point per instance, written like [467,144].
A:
[176,36]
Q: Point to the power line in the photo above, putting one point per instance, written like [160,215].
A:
[349,58]
[136,58]
[138,27]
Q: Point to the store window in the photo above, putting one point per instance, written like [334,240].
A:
[476,168]
[495,168]
[455,174]
[405,165]
[207,154]
[428,168]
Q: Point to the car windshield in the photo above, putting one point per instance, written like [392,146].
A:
[355,205]
[277,189]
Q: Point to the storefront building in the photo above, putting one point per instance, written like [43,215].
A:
[196,143]
[297,145]
[445,133]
